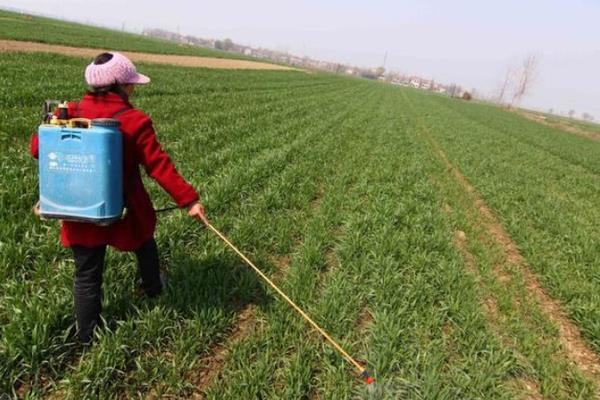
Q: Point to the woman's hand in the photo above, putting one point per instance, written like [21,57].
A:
[196,210]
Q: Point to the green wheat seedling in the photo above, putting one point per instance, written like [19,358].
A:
[332,188]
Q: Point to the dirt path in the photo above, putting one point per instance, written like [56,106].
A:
[184,61]
[559,125]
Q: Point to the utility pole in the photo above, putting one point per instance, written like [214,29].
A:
[385,59]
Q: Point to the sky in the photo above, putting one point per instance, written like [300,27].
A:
[468,42]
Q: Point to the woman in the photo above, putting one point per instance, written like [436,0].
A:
[112,78]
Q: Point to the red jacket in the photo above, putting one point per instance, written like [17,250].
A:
[140,147]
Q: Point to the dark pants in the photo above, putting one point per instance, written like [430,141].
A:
[89,265]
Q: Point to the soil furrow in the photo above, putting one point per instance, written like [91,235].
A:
[246,321]
[525,384]
[575,347]
[212,364]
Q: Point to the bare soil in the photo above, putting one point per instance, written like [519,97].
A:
[184,61]
[365,319]
[529,388]
[212,364]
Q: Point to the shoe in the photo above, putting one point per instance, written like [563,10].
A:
[155,291]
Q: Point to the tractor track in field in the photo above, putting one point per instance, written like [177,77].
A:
[575,347]
[526,384]
[490,303]
[170,59]
[570,335]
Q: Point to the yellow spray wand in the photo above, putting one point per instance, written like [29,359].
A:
[361,370]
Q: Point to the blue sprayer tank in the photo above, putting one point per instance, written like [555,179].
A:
[81,170]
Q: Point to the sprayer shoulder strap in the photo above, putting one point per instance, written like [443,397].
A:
[114,116]
[121,111]
[130,176]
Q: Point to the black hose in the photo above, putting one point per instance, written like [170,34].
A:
[166,209]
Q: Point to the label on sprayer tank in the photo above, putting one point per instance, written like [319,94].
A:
[66,162]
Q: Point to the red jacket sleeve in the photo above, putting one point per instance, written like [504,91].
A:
[160,167]
[34,145]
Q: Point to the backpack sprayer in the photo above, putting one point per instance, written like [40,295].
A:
[81,179]
[80,167]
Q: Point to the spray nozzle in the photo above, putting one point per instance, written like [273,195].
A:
[366,377]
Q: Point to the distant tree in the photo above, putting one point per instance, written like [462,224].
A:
[365,73]
[504,85]
[587,116]
[453,90]
[226,44]
[571,113]
[551,111]
[525,77]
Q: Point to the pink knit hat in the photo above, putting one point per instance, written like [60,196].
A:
[119,69]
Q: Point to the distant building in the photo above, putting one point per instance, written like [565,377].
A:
[379,73]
